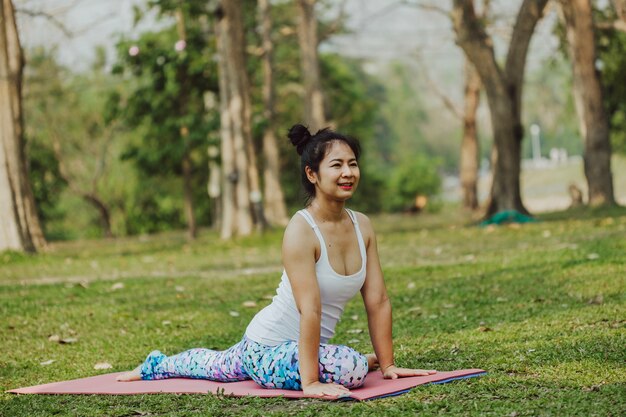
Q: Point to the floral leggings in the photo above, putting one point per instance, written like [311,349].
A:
[268,366]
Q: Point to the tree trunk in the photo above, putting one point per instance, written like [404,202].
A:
[229,170]
[307,38]
[19,225]
[234,10]
[103,212]
[275,208]
[233,79]
[593,121]
[469,144]
[192,227]
[504,90]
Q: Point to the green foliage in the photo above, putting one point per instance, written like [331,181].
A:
[414,176]
[65,126]
[611,51]
[164,102]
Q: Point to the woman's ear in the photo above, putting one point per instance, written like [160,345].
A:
[310,174]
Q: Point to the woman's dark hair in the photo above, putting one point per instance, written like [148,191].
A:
[313,148]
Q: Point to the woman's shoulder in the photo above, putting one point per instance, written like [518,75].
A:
[365,225]
[362,219]
[298,227]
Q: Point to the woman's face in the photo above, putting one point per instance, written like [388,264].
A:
[338,174]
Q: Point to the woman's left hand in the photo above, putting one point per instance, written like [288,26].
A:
[393,372]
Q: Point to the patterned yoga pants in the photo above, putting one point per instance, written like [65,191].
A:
[268,366]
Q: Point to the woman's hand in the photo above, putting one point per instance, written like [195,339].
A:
[324,391]
[393,372]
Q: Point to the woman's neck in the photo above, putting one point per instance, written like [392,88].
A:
[327,211]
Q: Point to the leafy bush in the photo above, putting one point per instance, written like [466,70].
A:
[413,177]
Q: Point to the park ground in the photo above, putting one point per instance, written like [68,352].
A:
[540,306]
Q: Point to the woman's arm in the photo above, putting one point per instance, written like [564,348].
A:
[299,244]
[378,308]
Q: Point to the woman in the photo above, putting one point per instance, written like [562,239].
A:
[329,254]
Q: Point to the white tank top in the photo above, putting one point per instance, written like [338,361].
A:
[280,321]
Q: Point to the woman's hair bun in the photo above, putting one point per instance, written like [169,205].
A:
[299,136]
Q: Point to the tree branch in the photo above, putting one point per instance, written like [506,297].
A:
[614,25]
[445,99]
[51,18]
[427,7]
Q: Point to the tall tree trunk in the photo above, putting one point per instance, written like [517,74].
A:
[241,109]
[275,208]
[234,113]
[593,120]
[469,144]
[227,149]
[307,38]
[504,90]
[19,225]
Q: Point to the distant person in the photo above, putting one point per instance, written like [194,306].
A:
[329,254]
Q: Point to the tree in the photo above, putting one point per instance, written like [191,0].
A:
[588,96]
[168,76]
[468,164]
[611,64]
[503,87]
[275,208]
[19,225]
[239,167]
[314,115]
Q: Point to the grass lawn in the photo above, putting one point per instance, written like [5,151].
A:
[541,307]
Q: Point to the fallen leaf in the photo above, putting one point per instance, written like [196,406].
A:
[54,338]
[448,306]
[102,365]
[593,256]
[354,317]
[48,362]
[233,313]
[166,322]
[353,341]
[484,329]
[268,297]
[355,331]
[546,233]
[249,304]
[410,285]
[179,288]
[68,340]
[117,286]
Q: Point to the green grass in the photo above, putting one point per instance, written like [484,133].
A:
[541,307]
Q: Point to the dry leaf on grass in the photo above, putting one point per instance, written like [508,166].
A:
[249,304]
[48,362]
[102,365]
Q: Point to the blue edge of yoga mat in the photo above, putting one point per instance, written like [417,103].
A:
[404,391]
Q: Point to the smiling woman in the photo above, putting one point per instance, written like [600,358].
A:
[329,254]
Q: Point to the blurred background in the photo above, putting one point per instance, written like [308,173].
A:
[137,117]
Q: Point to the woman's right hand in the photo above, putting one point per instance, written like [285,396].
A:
[330,391]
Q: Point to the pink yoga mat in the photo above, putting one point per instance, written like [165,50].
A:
[375,386]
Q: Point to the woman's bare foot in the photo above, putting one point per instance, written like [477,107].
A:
[372,362]
[134,375]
